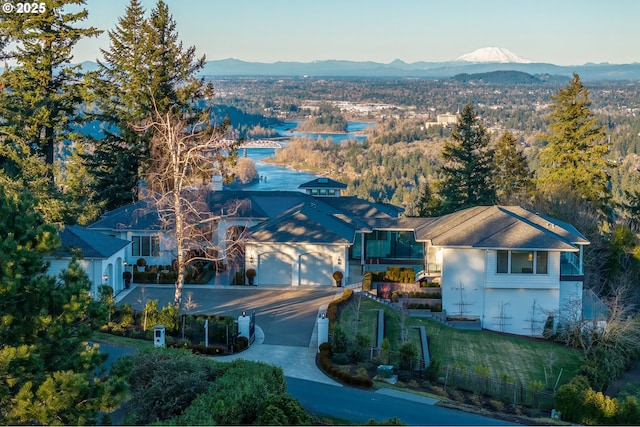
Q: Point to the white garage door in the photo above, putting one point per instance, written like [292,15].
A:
[315,270]
[274,268]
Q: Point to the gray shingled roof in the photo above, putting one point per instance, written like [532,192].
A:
[506,227]
[363,209]
[308,222]
[323,182]
[243,204]
[90,244]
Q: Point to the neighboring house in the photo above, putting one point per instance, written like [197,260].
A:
[504,265]
[101,256]
[507,266]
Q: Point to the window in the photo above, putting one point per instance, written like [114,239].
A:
[503,262]
[541,262]
[522,262]
[145,246]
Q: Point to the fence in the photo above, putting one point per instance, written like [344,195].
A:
[457,378]
[513,393]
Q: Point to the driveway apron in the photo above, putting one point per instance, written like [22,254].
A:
[287,316]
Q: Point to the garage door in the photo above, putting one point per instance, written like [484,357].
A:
[274,268]
[315,270]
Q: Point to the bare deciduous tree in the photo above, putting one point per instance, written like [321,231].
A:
[613,325]
[184,157]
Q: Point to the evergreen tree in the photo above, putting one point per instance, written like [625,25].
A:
[146,68]
[574,158]
[512,175]
[468,166]
[42,91]
[428,204]
[47,370]
[120,88]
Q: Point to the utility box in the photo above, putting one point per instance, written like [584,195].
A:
[385,371]
[158,336]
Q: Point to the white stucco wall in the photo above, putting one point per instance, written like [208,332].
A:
[96,269]
[519,311]
[463,275]
[513,303]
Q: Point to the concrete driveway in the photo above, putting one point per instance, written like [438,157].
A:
[286,316]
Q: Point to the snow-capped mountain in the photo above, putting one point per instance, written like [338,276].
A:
[493,54]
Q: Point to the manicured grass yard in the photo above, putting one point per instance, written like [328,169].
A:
[514,358]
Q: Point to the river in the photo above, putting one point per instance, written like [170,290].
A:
[287,179]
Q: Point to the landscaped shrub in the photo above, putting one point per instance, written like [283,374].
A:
[236,397]
[157,392]
[332,309]
[339,340]
[367,280]
[169,316]
[124,315]
[282,410]
[432,372]
[241,343]
[408,355]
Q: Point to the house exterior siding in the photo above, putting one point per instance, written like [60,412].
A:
[519,311]
[463,275]
[550,280]
[96,269]
[504,302]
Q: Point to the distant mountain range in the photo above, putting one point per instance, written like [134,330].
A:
[485,60]
[398,68]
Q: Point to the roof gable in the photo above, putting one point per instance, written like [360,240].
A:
[506,227]
[90,244]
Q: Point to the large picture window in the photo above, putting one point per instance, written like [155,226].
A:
[522,262]
[145,246]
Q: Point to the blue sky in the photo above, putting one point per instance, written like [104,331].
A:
[563,32]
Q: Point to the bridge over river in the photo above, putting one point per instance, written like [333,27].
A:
[257,143]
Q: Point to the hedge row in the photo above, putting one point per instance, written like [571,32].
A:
[346,377]
[332,309]
[417,306]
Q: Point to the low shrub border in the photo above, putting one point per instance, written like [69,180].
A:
[324,361]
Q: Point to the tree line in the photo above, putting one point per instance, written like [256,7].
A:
[157,132]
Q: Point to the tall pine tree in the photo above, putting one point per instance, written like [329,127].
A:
[468,166]
[146,68]
[575,157]
[512,175]
[47,370]
[42,92]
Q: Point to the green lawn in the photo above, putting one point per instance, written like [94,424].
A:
[516,358]
[124,341]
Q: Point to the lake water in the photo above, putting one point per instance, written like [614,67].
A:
[286,179]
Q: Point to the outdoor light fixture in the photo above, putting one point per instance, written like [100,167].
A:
[244,314]
[105,278]
[124,263]
[324,315]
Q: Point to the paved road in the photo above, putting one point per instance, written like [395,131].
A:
[362,405]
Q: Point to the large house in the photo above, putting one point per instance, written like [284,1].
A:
[504,265]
